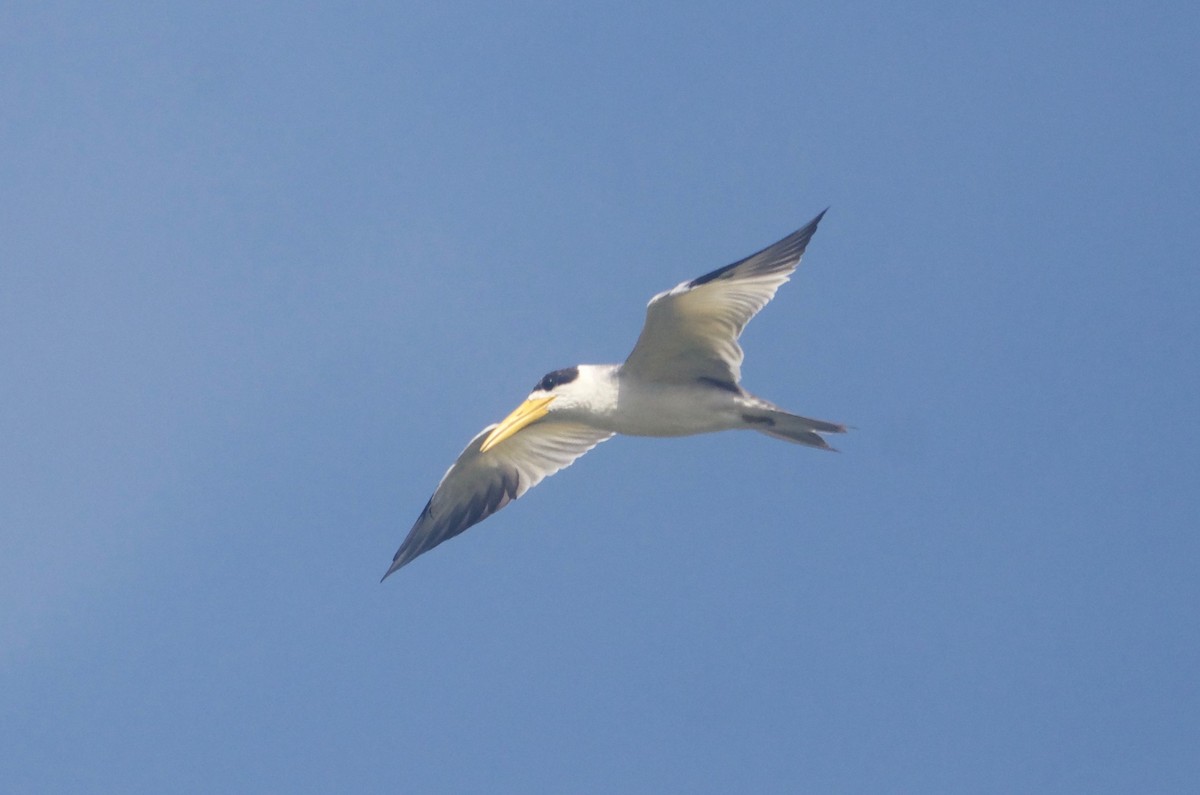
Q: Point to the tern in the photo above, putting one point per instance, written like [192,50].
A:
[683,377]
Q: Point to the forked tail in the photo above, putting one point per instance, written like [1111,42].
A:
[791,427]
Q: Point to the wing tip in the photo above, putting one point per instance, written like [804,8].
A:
[808,230]
[787,250]
[397,564]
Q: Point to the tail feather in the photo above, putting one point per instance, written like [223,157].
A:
[792,427]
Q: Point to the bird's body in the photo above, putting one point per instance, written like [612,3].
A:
[620,403]
[682,378]
[647,408]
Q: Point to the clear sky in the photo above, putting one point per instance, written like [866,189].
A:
[265,268]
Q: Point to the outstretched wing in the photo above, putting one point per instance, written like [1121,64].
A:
[479,484]
[691,332]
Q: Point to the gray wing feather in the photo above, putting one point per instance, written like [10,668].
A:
[691,331]
[479,484]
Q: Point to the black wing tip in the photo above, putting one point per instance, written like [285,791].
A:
[397,564]
[805,233]
[430,531]
[793,244]
[797,242]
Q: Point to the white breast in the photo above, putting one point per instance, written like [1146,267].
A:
[658,409]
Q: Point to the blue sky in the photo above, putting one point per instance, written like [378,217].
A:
[265,269]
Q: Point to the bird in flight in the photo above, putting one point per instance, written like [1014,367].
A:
[682,377]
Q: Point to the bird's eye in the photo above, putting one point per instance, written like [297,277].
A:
[557,378]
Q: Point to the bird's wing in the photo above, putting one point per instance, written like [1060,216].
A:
[479,484]
[691,332]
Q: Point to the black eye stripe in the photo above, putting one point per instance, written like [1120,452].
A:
[557,378]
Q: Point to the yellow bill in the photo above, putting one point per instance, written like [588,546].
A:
[528,412]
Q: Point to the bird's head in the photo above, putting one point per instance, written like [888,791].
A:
[555,391]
